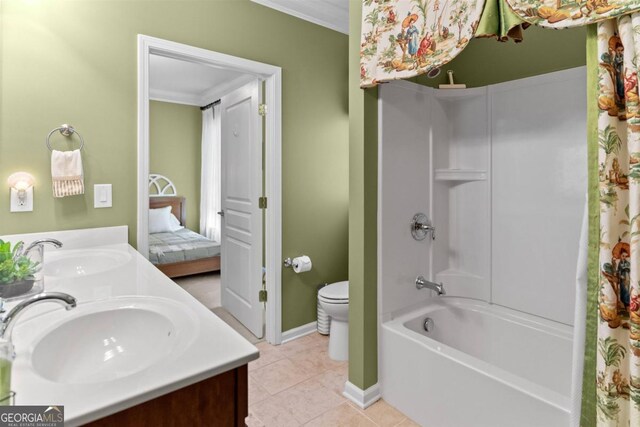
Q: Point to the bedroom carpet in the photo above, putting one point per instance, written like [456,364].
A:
[203,287]
[206,289]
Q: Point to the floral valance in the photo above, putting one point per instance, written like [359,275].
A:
[571,13]
[498,21]
[405,38]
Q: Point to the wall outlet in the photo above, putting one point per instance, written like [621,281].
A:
[22,203]
[102,196]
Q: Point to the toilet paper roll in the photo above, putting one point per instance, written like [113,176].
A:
[302,264]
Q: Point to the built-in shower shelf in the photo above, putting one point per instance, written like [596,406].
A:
[461,175]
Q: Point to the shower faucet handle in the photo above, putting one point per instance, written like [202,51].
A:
[421,226]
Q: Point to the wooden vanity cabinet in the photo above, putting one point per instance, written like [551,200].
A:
[219,401]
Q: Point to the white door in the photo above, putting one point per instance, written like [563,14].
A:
[241,173]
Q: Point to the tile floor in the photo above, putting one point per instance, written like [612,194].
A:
[297,384]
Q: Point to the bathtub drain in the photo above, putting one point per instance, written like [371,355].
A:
[428,324]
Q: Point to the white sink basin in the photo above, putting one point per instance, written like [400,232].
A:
[76,263]
[105,341]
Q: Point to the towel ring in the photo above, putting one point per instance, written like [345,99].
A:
[66,130]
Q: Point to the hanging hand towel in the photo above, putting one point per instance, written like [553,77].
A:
[66,171]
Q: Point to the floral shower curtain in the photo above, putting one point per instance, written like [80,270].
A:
[618,329]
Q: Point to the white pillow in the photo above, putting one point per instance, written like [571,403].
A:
[175,223]
[160,220]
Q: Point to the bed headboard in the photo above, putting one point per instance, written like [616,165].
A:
[177,203]
[160,185]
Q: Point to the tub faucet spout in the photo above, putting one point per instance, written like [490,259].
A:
[422,283]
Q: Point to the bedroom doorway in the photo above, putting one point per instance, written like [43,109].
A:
[208,160]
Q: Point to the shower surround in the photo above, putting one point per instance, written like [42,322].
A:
[500,171]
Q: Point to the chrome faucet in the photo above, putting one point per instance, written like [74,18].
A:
[422,283]
[9,320]
[37,244]
[41,242]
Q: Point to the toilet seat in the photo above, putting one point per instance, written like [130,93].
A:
[333,301]
[336,293]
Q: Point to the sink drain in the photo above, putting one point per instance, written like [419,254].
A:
[428,324]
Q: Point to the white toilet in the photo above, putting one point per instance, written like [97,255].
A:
[334,299]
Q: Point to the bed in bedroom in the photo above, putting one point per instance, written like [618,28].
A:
[174,249]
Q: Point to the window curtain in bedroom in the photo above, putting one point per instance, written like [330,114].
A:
[611,389]
[210,191]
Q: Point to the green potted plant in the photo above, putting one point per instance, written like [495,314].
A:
[17,270]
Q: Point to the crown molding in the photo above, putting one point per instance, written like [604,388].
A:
[339,22]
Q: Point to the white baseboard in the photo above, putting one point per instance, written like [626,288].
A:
[299,332]
[362,398]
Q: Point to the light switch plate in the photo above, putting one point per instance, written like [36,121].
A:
[102,196]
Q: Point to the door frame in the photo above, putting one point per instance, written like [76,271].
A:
[272,76]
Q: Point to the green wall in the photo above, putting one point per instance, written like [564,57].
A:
[486,61]
[66,61]
[175,132]
[482,63]
[363,205]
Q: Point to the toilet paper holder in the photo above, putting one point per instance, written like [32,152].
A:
[289,262]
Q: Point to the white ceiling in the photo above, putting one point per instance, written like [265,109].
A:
[183,82]
[332,14]
[173,80]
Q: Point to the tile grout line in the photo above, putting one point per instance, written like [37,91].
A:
[324,371]
[287,388]
[367,417]
[293,385]
[345,401]
[401,421]
[362,411]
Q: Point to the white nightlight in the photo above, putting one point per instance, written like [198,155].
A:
[21,184]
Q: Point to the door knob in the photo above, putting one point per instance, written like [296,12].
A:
[221,213]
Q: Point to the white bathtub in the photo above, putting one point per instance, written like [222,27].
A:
[482,365]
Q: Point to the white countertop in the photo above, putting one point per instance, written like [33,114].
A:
[214,347]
